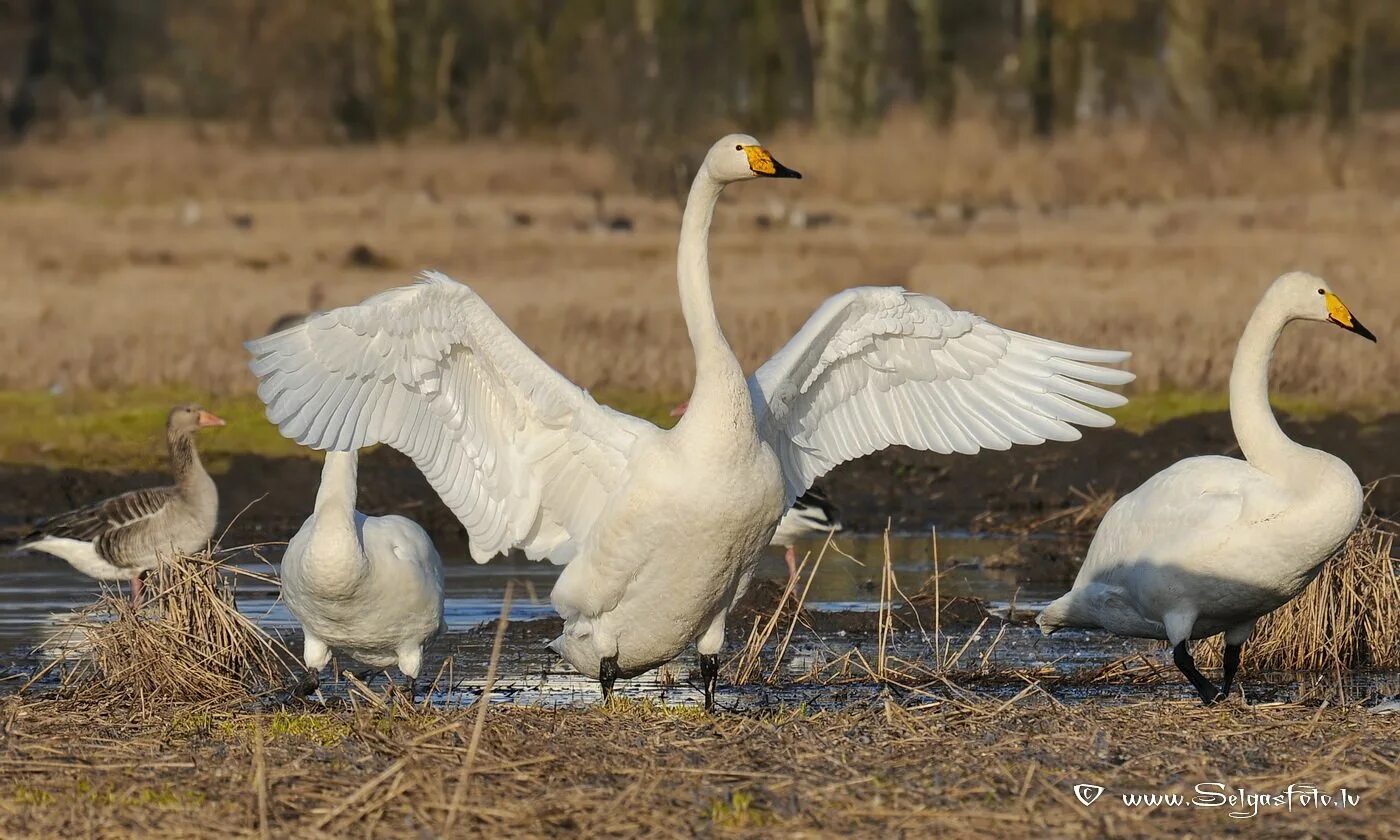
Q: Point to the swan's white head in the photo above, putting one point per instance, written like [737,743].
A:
[739,157]
[1309,297]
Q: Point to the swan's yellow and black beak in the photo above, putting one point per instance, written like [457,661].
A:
[1338,314]
[762,163]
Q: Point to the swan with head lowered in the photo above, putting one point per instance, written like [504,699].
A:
[659,529]
[1211,544]
[369,586]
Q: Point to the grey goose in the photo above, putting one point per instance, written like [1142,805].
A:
[123,537]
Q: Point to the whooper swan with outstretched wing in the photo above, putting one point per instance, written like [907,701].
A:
[661,529]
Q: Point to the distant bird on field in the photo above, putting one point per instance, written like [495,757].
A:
[606,222]
[315,298]
[124,537]
[370,586]
[1211,544]
[812,516]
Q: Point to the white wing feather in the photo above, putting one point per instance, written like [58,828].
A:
[523,457]
[1186,512]
[880,366]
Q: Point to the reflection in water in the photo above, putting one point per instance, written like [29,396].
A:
[849,575]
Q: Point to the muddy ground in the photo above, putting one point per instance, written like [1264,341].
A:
[1023,488]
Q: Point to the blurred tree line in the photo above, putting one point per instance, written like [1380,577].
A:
[617,70]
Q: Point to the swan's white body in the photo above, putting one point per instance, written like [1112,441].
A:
[811,515]
[369,586]
[685,529]
[660,528]
[1211,544]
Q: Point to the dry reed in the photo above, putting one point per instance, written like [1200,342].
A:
[744,666]
[895,613]
[188,643]
[1348,618]
[1093,506]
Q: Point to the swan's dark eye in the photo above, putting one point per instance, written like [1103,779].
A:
[1321,292]
[739,147]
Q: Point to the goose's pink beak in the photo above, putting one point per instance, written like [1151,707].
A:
[680,409]
[208,418]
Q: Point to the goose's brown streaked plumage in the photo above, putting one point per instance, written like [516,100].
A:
[122,537]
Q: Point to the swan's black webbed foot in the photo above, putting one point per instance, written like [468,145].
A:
[709,673]
[1181,655]
[607,675]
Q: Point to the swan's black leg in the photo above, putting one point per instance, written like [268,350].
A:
[709,673]
[607,675]
[1181,655]
[1232,664]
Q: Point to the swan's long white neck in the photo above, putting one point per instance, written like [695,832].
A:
[721,394]
[334,530]
[1261,439]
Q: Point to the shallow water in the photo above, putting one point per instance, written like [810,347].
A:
[37,591]
[38,596]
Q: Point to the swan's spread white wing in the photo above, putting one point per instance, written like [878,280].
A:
[880,366]
[522,456]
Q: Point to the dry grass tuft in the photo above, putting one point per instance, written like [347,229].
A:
[1092,507]
[745,667]
[187,644]
[1349,617]
[764,657]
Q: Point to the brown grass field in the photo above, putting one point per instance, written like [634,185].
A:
[957,766]
[145,258]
